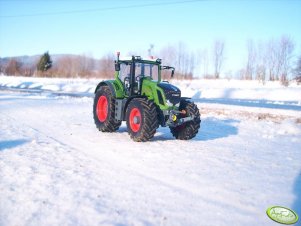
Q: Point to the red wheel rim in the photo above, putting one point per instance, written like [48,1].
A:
[102,108]
[135,119]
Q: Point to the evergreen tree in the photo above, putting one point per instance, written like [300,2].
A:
[45,62]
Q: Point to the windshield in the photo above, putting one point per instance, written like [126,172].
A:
[150,70]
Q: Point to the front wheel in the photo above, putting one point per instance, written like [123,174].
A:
[187,130]
[141,119]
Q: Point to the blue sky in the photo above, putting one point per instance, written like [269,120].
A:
[31,27]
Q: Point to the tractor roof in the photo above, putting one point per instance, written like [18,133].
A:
[149,60]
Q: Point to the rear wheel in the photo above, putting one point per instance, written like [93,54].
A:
[104,110]
[187,130]
[141,119]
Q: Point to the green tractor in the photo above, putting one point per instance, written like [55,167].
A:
[138,96]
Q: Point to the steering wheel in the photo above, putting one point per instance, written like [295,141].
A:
[138,77]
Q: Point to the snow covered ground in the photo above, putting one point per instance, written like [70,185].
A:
[57,169]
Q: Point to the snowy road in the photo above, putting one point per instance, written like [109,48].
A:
[57,169]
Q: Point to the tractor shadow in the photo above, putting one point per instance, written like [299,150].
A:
[9,144]
[214,128]
[211,129]
[297,190]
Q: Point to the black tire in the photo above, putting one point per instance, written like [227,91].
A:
[141,119]
[187,130]
[104,110]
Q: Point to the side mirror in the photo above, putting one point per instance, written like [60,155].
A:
[172,73]
[117,66]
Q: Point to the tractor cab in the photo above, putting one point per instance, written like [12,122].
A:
[132,71]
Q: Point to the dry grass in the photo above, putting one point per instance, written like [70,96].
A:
[247,115]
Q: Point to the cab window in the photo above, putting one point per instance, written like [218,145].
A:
[124,71]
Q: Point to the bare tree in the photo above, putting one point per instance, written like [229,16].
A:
[72,66]
[28,70]
[181,58]
[218,57]
[285,54]
[251,60]
[185,61]
[241,73]
[297,69]
[106,64]
[168,55]
[271,59]
[64,67]
[278,56]
[202,63]
[84,65]
[188,65]
[205,63]
[67,66]
[13,67]
[261,62]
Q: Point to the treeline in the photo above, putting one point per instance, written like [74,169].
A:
[66,66]
[269,60]
[272,60]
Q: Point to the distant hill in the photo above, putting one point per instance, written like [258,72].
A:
[28,60]
[31,61]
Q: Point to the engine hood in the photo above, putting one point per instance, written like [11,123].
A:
[172,93]
[169,87]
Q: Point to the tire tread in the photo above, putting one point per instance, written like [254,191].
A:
[110,124]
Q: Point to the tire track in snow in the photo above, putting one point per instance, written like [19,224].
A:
[120,166]
[86,173]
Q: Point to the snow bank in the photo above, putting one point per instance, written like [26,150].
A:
[209,89]
[238,89]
